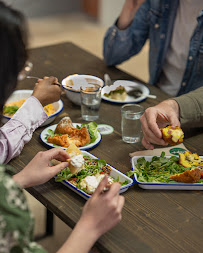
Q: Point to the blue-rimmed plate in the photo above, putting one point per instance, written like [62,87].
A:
[128,85]
[163,186]
[114,173]
[44,133]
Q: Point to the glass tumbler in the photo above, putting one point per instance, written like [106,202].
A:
[130,122]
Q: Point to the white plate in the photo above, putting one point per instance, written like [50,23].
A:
[44,133]
[114,173]
[163,186]
[129,85]
[24,94]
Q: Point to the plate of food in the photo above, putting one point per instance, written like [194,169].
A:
[86,171]
[183,172]
[123,91]
[18,98]
[84,136]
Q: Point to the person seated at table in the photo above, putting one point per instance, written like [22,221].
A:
[19,129]
[186,110]
[100,213]
[175,54]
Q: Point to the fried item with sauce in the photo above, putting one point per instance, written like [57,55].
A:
[172,135]
[189,176]
[187,159]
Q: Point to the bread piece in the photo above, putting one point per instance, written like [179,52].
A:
[189,176]
[76,161]
[64,125]
[172,135]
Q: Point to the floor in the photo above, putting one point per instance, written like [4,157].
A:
[88,34]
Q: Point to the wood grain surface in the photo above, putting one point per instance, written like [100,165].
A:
[153,221]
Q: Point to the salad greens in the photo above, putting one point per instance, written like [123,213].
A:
[10,109]
[91,168]
[92,129]
[158,170]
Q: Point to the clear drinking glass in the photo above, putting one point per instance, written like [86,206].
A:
[130,122]
[90,102]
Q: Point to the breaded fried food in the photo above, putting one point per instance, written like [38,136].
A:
[80,137]
[172,135]
[187,159]
[189,176]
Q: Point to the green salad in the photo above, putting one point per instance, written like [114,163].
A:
[92,167]
[159,169]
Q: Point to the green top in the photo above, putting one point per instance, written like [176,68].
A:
[191,107]
[16,220]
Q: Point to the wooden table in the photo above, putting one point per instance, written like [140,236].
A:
[153,221]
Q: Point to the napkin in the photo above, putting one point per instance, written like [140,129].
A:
[172,150]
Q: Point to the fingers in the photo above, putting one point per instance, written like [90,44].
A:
[114,190]
[147,144]
[58,168]
[57,153]
[121,202]
[101,186]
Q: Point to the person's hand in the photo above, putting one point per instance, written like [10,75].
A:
[39,171]
[154,118]
[47,90]
[128,12]
[103,210]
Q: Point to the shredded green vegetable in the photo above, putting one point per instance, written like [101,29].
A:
[10,109]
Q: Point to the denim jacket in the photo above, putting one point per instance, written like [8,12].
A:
[154,21]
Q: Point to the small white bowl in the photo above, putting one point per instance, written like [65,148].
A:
[24,94]
[71,85]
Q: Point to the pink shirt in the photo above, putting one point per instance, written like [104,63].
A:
[19,129]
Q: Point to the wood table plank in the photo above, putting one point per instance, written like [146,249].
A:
[153,221]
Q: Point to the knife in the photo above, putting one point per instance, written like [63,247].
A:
[107,80]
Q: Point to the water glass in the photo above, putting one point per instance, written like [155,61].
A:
[130,122]
[90,102]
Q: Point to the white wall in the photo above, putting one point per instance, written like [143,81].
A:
[109,10]
[37,8]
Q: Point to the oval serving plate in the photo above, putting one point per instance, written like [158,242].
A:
[129,86]
[114,173]
[44,133]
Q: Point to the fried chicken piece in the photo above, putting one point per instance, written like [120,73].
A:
[189,176]
[64,125]
[80,137]
[172,135]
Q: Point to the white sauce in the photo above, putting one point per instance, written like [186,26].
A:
[77,161]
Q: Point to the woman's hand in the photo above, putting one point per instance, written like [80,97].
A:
[128,12]
[47,90]
[39,171]
[101,212]
[156,117]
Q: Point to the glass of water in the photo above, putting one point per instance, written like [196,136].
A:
[90,102]
[130,122]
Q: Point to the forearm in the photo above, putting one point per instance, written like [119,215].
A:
[120,45]
[19,129]
[128,13]
[191,108]
[81,239]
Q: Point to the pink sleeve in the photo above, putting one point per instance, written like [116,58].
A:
[19,129]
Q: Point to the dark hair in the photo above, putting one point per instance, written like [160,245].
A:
[13,39]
